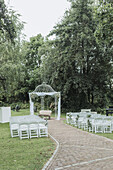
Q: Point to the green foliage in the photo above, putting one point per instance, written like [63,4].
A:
[77,62]
[11,67]
[33,59]
[104,38]
[7,27]
[101,110]
[104,30]
[34,97]
[80,72]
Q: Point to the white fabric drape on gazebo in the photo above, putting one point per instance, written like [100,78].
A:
[41,94]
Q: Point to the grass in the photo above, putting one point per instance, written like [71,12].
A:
[20,112]
[16,154]
[27,112]
[107,135]
[30,154]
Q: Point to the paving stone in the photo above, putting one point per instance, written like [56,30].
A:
[79,150]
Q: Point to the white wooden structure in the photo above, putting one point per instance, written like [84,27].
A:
[5,114]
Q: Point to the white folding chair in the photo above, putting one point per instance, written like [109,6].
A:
[91,124]
[107,126]
[112,124]
[99,126]
[33,130]
[24,131]
[14,130]
[80,120]
[85,124]
[67,117]
[43,130]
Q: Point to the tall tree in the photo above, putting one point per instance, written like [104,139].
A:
[78,57]
[7,26]
[32,62]
[104,37]
[104,30]
[10,53]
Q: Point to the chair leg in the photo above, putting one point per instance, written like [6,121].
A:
[33,132]
[99,129]
[107,129]
[24,132]
[14,132]
[43,131]
[14,128]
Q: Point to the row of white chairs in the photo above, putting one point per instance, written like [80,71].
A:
[101,125]
[29,131]
[91,122]
[72,116]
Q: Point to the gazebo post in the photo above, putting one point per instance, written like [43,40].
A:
[31,106]
[55,106]
[42,102]
[59,107]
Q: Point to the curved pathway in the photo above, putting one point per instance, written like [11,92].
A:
[79,150]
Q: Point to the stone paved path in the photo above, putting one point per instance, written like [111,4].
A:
[79,150]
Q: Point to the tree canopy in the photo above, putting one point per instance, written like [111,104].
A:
[77,62]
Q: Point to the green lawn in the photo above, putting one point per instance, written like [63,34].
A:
[28,154]
[107,135]
[20,112]
[27,112]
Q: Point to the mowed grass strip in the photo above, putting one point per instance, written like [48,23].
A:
[21,112]
[107,135]
[30,154]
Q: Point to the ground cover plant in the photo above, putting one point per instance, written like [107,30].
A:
[23,154]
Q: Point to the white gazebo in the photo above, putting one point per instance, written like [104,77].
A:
[42,91]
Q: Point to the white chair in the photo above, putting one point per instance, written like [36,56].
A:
[99,126]
[24,131]
[33,130]
[107,126]
[67,117]
[43,130]
[85,124]
[112,124]
[91,124]
[80,120]
[74,121]
[14,130]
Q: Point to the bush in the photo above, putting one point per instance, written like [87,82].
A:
[101,110]
[21,105]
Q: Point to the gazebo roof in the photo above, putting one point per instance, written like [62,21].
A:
[44,88]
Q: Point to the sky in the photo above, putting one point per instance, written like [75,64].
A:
[40,15]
